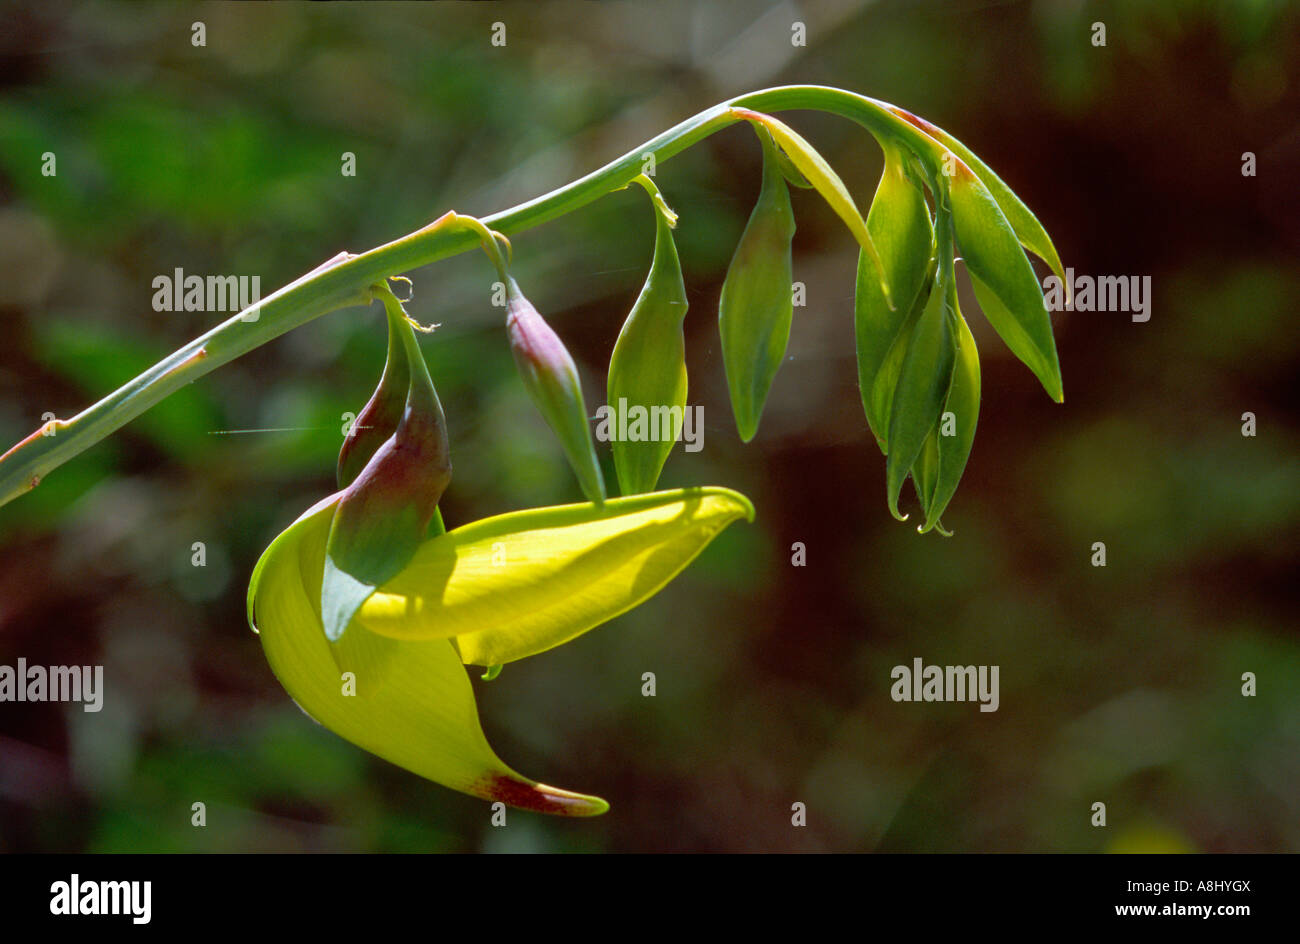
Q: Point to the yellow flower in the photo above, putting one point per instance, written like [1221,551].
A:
[487,593]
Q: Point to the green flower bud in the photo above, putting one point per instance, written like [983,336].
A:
[1004,281]
[756,306]
[899,222]
[551,378]
[923,380]
[648,366]
[1028,230]
[942,460]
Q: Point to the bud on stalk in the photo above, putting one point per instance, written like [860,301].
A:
[385,512]
[551,379]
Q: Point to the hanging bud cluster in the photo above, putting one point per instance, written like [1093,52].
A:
[918,367]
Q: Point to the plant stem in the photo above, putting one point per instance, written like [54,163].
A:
[345,280]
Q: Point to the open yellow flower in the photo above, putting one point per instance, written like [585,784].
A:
[487,593]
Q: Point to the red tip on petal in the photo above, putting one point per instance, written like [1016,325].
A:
[538,797]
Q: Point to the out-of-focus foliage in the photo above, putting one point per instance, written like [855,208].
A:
[1118,684]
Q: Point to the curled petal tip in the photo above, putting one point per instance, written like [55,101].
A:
[539,797]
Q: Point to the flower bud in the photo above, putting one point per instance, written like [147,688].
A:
[899,221]
[923,382]
[551,379]
[756,306]
[647,370]
[1004,281]
[387,510]
[942,460]
[378,419]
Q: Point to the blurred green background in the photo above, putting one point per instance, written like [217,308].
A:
[1118,684]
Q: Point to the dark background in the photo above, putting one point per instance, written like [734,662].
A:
[1118,684]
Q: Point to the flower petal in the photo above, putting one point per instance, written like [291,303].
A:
[518,584]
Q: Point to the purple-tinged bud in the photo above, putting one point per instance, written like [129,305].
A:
[385,512]
[378,419]
[551,379]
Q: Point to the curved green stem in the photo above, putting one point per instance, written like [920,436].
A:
[345,280]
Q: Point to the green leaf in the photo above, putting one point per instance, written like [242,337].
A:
[1029,232]
[922,385]
[521,583]
[1005,284]
[551,379]
[386,512]
[826,182]
[412,704]
[756,306]
[647,369]
[899,221]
